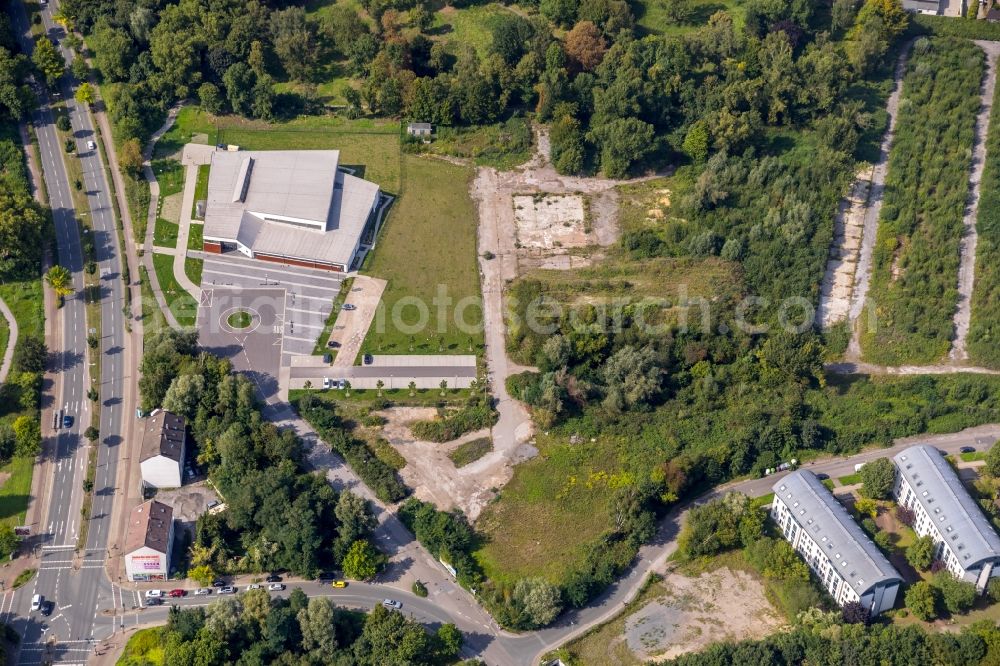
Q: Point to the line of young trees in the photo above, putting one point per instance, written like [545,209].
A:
[915,265]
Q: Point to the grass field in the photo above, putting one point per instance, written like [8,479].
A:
[15,491]
[193,268]
[165,233]
[144,649]
[200,189]
[652,18]
[169,175]
[371,145]
[181,303]
[196,236]
[555,505]
[849,480]
[470,25]
[152,318]
[502,145]
[427,247]
[972,456]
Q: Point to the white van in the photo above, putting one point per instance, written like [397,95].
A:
[36,602]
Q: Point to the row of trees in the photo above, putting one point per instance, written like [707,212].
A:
[256,629]
[279,516]
[914,285]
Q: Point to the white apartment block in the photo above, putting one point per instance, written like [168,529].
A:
[848,563]
[963,537]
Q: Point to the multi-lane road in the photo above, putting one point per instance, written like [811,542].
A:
[75,580]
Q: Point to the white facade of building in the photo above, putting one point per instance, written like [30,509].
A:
[161,472]
[148,540]
[849,565]
[161,456]
[964,539]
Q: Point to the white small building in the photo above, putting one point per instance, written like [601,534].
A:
[419,129]
[161,457]
[148,541]
[848,563]
[963,537]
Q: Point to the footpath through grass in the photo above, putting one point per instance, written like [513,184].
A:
[181,303]
[915,265]
[427,253]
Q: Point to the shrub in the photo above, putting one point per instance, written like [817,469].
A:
[456,424]
[904,515]
[419,589]
[855,613]
[920,553]
[957,595]
[921,600]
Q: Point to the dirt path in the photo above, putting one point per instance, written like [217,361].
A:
[861,368]
[967,246]
[862,276]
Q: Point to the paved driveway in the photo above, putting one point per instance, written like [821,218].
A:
[255,349]
[307,294]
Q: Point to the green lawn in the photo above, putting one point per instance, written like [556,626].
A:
[200,190]
[502,145]
[193,269]
[972,456]
[362,398]
[144,649]
[165,233]
[152,319]
[15,491]
[195,236]
[651,15]
[169,175]
[555,506]
[427,248]
[469,25]
[849,480]
[181,303]
[25,301]
[192,126]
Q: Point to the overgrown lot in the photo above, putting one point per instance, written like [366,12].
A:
[983,342]
[915,265]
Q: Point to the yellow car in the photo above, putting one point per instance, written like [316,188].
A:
[339,583]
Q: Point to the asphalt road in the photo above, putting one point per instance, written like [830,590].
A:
[76,584]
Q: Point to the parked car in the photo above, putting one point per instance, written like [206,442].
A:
[218,582]
[328,358]
[822,477]
[967,449]
[273,578]
[67,421]
[332,344]
[91,145]
[154,594]
[253,586]
[155,601]
[228,589]
[339,583]
[348,307]
[327,383]
[36,602]
[202,591]
[369,359]
[276,587]
[178,592]
[48,607]
[392,603]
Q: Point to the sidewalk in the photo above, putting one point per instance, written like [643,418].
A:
[8,354]
[154,197]
[184,230]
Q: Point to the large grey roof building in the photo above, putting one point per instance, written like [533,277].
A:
[963,537]
[288,206]
[847,561]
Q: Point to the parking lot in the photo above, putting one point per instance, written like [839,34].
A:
[307,297]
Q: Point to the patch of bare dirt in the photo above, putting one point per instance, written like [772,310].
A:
[721,605]
[431,473]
